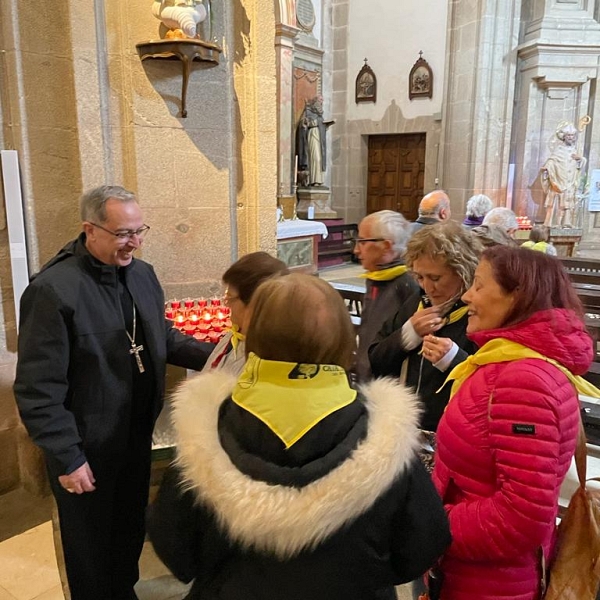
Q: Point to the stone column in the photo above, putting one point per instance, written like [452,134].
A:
[284,48]
[479,96]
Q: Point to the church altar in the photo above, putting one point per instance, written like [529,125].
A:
[297,244]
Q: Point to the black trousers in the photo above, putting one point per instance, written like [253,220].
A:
[103,531]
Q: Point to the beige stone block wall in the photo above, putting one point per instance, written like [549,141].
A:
[83,110]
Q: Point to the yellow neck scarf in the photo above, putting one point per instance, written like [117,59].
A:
[236,337]
[454,316]
[385,274]
[502,350]
[291,398]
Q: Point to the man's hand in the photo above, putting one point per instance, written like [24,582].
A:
[79,481]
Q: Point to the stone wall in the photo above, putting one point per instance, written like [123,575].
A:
[82,110]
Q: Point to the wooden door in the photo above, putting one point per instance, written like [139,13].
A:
[396,173]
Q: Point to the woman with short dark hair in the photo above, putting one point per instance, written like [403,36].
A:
[241,280]
[506,439]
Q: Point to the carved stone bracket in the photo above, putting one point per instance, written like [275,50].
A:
[185,50]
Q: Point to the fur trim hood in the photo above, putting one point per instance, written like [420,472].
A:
[286,520]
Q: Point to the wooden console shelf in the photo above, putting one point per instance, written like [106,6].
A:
[185,50]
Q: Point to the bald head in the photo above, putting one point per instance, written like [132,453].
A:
[435,205]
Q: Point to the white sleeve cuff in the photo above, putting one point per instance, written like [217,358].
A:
[446,360]
[410,338]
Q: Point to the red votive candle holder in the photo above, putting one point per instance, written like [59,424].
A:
[175,304]
[169,314]
[202,302]
[188,303]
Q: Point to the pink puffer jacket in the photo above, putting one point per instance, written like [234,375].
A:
[505,444]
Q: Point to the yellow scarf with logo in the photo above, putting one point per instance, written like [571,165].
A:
[385,274]
[502,350]
[236,337]
[454,316]
[291,398]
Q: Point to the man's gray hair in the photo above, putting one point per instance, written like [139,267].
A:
[503,217]
[92,204]
[478,205]
[391,225]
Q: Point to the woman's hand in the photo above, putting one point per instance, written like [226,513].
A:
[435,348]
[427,321]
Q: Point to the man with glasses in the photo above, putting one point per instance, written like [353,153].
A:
[381,241]
[93,346]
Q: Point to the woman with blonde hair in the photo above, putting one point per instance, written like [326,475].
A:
[427,336]
[288,483]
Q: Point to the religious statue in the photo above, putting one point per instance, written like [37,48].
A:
[311,143]
[181,17]
[560,175]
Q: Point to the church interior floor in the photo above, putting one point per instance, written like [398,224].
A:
[29,571]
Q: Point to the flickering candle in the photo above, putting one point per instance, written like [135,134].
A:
[175,304]
[169,313]
[188,302]
[201,302]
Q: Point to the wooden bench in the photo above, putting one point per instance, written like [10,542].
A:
[339,242]
[582,270]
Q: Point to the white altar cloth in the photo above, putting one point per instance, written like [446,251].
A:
[300,227]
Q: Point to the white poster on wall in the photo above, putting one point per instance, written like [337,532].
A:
[594,197]
[11,182]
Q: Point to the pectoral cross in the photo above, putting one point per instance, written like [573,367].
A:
[136,350]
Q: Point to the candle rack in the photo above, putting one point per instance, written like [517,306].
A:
[206,320]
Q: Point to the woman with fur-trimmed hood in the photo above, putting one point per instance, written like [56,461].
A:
[288,483]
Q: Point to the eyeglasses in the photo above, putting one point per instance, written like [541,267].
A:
[364,240]
[227,298]
[126,235]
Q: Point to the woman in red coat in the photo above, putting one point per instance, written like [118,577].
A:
[506,440]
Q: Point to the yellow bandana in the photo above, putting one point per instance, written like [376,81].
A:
[236,337]
[454,316]
[291,398]
[502,350]
[385,274]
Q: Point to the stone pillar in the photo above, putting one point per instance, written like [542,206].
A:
[481,62]
[284,47]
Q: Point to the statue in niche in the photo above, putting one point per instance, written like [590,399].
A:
[181,17]
[311,143]
[561,174]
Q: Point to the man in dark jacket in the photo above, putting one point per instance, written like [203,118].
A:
[433,208]
[93,345]
[381,242]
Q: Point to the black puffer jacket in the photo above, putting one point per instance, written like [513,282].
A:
[346,513]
